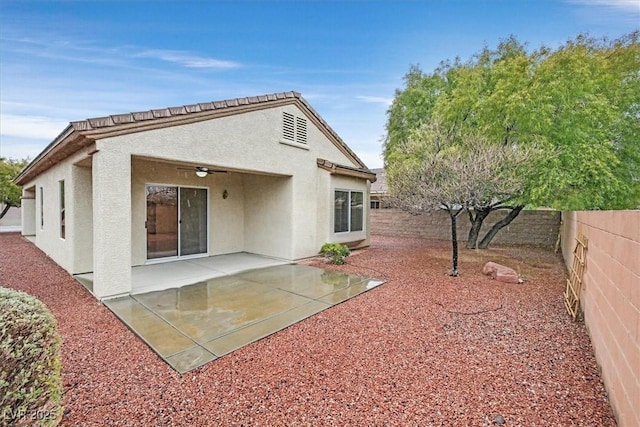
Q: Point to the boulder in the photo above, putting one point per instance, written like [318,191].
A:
[501,273]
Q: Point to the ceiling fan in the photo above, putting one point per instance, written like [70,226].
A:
[202,171]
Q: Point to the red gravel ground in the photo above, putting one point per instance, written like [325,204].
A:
[424,349]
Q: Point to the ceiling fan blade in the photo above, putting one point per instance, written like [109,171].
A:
[208,170]
[201,169]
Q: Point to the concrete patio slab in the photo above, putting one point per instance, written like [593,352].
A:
[195,324]
[243,336]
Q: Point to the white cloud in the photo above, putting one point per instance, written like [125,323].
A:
[627,5]
[187,59]
[614,16]
[25,126]
[376,100]
[114,56]
[21,148]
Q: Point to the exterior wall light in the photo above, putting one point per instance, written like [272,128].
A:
[225,194]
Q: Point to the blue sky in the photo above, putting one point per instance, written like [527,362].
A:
[71,60]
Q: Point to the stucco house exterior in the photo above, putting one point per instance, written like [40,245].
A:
[264,175]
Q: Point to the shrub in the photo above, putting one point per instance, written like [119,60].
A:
[30,381]
[335,252]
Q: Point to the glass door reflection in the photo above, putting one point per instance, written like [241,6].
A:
[162,221]
[193,221]
[177,221]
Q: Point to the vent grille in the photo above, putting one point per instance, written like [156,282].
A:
[301,130]
[294,128]
[288,129]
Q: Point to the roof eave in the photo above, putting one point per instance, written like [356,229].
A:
[336,169]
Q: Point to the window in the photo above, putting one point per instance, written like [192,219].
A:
[41,208]
[294,129]
[348,211]
[375,204]
[62,224]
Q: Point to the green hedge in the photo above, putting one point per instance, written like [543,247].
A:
[30,368]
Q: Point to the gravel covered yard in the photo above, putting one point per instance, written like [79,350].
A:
[424,349]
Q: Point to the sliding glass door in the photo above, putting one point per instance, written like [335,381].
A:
[176,221]
[162,221]
[193,221]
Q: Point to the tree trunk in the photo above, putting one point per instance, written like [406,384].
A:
[484,243]
[454,241]
[476,225]
[5,210]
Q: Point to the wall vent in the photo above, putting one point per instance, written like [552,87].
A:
[288,127]
[301,130]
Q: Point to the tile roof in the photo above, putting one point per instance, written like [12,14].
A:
[141,116]
[380,185]
[346,170]
[82,134]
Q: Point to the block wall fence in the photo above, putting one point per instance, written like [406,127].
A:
[540,227]
[610,300]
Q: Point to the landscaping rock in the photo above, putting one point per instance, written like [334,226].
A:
[499,419]
[501,273]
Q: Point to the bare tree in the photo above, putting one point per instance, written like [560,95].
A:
[434,170]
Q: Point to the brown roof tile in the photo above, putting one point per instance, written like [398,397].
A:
[160,113]
[100,122]
[193,108]
[174,111]
[206,106]
[122,118]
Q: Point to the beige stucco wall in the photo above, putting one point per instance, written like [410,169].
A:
[268,213]
[47,236]
[28,212]
[610,300]
[47,231]
[112,213]
[247,142]
[81,218]
[226,216]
